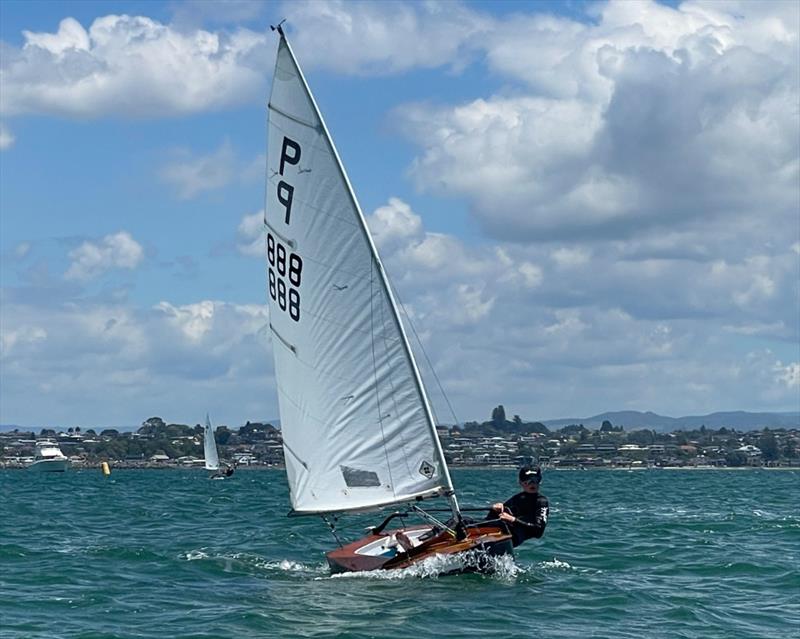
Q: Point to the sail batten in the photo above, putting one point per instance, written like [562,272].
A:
[357,427]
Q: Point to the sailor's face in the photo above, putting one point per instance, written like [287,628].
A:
[530,486]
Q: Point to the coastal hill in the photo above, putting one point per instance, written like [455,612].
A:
[633,420]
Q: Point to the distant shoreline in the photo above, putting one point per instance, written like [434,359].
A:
[498,468]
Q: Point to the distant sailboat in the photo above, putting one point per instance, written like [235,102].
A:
[358,432]
[212,455]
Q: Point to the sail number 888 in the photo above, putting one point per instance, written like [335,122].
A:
[284,266]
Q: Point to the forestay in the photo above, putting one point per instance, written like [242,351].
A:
[210,447]
[356,424]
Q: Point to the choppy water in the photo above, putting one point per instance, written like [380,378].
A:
[170,554]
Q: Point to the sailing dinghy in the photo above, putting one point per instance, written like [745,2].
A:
[358,431]
[211,454]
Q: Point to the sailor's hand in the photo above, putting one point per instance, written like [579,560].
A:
[507,517]
[498,506]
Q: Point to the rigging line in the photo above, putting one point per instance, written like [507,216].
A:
[424,352]
[332,526]
[372,266]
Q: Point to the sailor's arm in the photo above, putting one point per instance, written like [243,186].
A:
[535,523]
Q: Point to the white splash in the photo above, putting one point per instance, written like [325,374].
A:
[557,564]
[502,568]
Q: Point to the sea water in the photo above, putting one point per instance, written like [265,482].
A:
[168,553]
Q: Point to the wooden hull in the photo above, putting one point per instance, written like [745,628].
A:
[391,549]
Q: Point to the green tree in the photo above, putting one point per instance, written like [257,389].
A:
[735,458]
[499,416]
[641,437]
[768,446]
[152,426]
[574,429]
[517,421]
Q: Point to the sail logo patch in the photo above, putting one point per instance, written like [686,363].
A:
[427,469]
[358,478]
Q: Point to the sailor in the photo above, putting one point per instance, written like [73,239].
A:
[525,513]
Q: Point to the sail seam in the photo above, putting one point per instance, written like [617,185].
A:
[293,118]
[292,243]
[345,325]
[283,341]
[294,454]
[431,493]
[319,209]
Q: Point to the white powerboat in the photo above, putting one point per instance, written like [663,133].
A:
[49,458]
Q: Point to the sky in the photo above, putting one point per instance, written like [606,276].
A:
[583,206]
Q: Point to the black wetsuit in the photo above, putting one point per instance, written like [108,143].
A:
[531,511]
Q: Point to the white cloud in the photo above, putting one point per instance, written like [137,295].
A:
[91,259]
[6,138]
[571,256]
[193,320]
[384,37]
[22,335]
[112,364]
[531,274]
[394,222]
[192,174]
[637,174]
[473,303]
[250,235]
[131,65]
[595,324]
[22,250]
[789,374]
[651,117]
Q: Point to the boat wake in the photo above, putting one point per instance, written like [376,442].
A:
[502,568]
[255,562]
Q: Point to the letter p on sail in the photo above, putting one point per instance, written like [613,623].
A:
[294,158]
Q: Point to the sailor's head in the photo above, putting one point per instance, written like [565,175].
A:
[530,477]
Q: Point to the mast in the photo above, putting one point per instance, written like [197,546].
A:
[450,492]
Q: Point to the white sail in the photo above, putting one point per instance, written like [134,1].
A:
[210,447]
[356,424]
